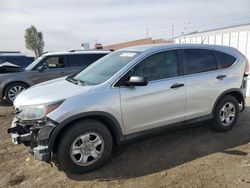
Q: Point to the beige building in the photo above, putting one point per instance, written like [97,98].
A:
[136,43]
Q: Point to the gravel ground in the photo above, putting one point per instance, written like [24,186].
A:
[191,157]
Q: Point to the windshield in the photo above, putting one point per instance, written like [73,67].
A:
[33,64]
[105,68]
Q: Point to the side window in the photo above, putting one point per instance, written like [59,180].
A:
[56,62]
[224,60]
[83,60]
[198,60]
[158,66]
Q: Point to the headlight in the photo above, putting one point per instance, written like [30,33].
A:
[37,112]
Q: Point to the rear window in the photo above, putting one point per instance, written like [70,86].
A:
[83,60]
[224,59]
[198,60]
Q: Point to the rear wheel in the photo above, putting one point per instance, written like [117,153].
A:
[13,90]
[226,113]
[85,146]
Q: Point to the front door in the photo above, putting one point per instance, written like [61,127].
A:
[159,103]
[55,68]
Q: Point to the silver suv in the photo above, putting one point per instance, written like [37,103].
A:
[133,92]
[47,67]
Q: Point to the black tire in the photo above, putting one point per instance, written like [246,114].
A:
[217,123]
[63,154]
[9,87]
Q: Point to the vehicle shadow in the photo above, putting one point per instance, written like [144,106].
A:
[171,149]
[4,103]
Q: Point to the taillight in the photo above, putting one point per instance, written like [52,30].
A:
[247,69]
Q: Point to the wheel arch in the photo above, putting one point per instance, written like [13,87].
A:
[12,82]
[237,93]
[107,119]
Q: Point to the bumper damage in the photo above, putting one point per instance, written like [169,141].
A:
[33,134]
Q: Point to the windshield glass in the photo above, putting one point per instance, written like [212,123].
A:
[105,68]
[33,64]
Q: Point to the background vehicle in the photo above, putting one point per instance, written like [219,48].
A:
[15,58]
[46,67]
[9,67]
[128,94]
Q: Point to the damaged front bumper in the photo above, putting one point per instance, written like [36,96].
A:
[34,134]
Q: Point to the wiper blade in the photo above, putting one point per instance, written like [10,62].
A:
[75,81]
[70,79]
[82,82]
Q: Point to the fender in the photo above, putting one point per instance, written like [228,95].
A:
[242,96]
[113,125]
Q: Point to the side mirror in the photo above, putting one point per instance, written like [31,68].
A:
[42,67]
[136,81]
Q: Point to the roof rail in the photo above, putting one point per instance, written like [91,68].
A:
[76,50]
[90,50]
[10,52]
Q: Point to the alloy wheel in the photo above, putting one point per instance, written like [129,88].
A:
[14,91]
[227,114]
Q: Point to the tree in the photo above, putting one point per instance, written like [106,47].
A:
[34,40]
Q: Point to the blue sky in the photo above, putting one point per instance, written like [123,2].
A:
[66,24]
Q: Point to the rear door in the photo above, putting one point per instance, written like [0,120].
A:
[160,102]
[202,83]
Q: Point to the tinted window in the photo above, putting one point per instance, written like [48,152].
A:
[83,60]
[158,66]
[224,60]
[56,62]
[198,60]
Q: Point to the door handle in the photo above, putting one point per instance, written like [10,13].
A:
[176,86]
[221,76]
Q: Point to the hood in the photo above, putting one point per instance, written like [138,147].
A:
[10,68]
[51,91]
[8,64]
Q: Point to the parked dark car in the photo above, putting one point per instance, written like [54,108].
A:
[9,67]
[15,58]
[47,67]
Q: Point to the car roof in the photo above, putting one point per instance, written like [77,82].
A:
[155,47]
[76,52]
[13,55]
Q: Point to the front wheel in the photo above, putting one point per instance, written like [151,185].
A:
[13,90]
[85,146]
[226,113]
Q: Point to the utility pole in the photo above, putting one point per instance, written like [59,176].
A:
[172,31]
[147,36]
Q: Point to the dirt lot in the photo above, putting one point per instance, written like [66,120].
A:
[194,157]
